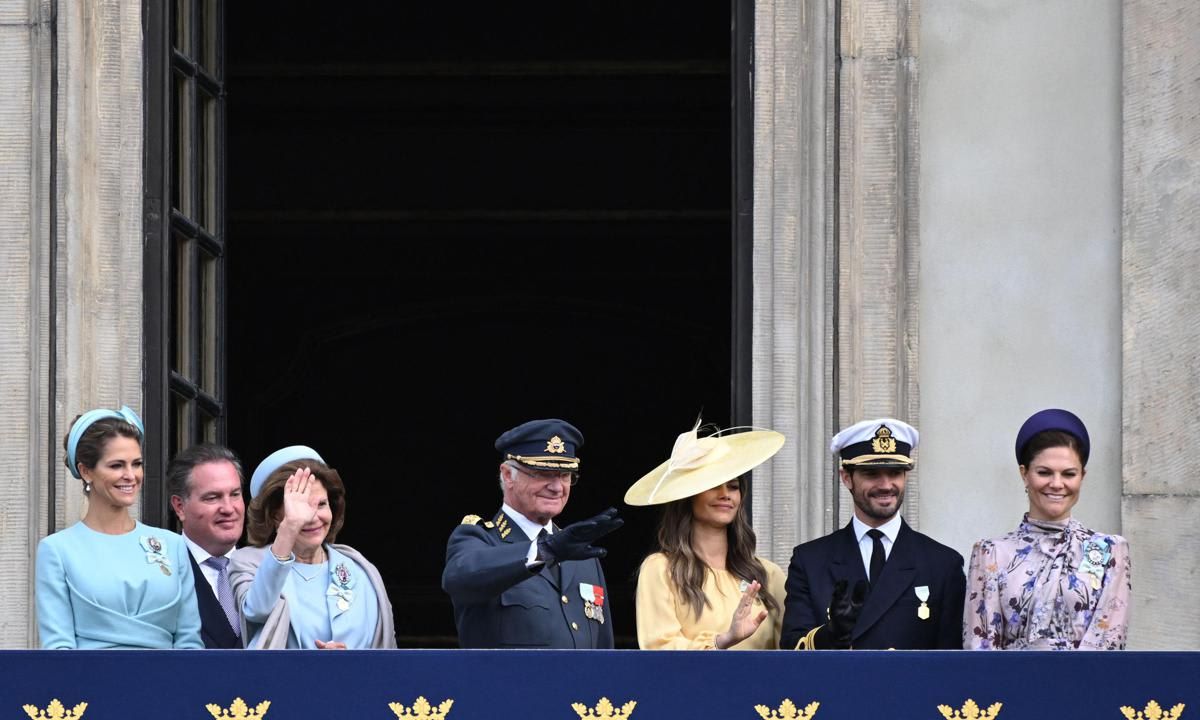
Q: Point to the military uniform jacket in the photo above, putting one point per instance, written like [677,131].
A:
[891,616]
[500,603]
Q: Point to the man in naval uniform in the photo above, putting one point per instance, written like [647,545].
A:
[876,583]
[518,580]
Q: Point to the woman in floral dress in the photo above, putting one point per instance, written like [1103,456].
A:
[1051,584]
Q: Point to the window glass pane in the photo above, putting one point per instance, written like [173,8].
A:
[181,291]
[181,21]
[181,417]
[206,156]
[210,427]
[209,30]
[181,145]
[207,316]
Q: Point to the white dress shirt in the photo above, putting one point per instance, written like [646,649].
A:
[890,530]
[531,530]
[200,554]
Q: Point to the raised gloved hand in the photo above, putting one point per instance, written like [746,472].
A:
[574,542]
[843,614]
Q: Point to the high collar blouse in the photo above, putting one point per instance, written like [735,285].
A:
[1048,586]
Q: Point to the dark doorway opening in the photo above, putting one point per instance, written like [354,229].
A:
[446,220]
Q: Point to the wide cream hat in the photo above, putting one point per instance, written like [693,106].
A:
[702,463]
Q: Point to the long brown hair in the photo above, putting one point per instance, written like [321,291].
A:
[687,570]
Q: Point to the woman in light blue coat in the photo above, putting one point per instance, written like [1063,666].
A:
[294,586]
[109,581]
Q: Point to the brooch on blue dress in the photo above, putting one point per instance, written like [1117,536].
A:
[155,553]
[1096,555]
[340,586]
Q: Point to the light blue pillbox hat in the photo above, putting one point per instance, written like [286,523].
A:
[278,459]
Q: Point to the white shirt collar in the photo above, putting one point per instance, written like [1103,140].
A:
[891,528]
[529,527]
[199,553]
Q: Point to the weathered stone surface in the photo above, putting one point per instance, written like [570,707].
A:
[1163,536]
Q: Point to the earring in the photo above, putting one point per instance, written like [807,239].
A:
[87,487]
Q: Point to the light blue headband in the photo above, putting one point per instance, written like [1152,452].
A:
[278,459]
[87,419]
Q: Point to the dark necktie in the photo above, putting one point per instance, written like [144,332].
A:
[556,569]
[225,592]
[877,554]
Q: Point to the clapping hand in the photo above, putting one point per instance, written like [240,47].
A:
[330,645]
[843,613]
[574,542]
[745,621]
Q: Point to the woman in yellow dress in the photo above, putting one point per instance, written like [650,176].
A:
[705,588]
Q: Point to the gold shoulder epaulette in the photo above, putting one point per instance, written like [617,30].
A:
[471,520]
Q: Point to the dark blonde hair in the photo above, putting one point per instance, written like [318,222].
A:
[687,570]
[261,515]
[94,440]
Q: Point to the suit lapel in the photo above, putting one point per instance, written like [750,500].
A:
[847,563]
[896,578]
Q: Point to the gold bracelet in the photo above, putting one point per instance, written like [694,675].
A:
[281,560]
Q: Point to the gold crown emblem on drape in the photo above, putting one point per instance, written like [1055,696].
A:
[1152,711]
[55,711]
[787,710]
[604,709]
[238,710]
[422,710]
[970,711]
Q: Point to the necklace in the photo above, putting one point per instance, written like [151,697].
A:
[317,571]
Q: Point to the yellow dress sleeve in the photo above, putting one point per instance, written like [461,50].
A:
[659,625]
[776,582]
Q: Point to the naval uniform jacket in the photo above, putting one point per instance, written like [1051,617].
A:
[889,617]
[215,630]
[500,603]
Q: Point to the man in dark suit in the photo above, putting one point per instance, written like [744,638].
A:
[876,583]
[518,580]
[205,485]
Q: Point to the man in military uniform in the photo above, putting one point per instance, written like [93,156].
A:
[518,580]
[876,583]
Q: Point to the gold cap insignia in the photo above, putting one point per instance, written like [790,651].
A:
[970,711]
[422,710]
[1152,712]
[883,442]
[556,445]
[238,710]
[55,711]
[604,709]
[788,711]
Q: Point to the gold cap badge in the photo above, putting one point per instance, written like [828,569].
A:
[883,442]
[556,445]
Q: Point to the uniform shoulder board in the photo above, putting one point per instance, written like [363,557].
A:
[471,520]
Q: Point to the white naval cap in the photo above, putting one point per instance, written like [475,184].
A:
[885,442]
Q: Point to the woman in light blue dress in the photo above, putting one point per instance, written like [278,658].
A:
[294,587]
[109,581]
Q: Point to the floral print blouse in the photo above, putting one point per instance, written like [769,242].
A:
[1048,586]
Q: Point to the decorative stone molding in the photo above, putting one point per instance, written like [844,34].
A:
[877,213]
[1161,336]
[793,268]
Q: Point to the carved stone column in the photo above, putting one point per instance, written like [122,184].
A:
[1161,333]
[794,292]
[877,215]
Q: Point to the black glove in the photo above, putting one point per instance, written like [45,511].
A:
[574,542]
[843,614]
